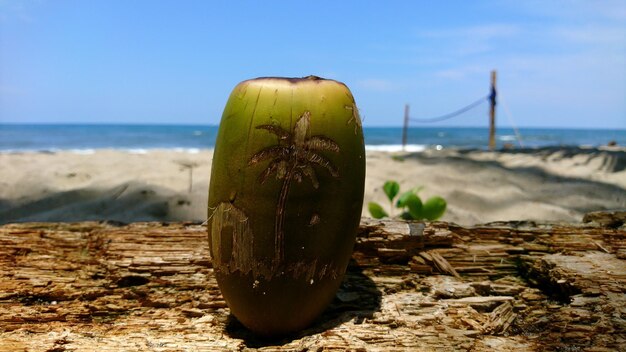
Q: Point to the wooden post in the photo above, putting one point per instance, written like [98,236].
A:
[406,126]
[492,112]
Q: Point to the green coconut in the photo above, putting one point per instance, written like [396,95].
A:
[285,199]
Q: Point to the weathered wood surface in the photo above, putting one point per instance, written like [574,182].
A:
[435,286]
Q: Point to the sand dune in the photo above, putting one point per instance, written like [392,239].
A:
[558,184]
[107,185]
[551,184]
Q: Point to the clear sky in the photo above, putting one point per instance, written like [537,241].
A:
[559,63]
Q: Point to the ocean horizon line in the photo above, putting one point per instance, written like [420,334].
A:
[365,126]
[139,137]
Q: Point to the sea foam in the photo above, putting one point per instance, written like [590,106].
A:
[396,148]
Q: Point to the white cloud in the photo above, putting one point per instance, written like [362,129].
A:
[558,73]
[592,34]
[11,90]
[20,11]
[572,10]
[471,40]
[462,72]
[378,85]
[482,32]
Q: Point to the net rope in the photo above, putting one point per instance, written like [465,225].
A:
[454,113]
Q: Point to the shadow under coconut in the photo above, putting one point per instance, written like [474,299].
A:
[357,298]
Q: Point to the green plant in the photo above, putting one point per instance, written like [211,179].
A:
[409,203]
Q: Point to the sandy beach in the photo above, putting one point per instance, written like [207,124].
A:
[547,184]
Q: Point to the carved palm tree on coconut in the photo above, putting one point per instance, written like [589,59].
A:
[293,158]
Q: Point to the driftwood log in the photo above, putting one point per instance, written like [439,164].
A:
[411,286]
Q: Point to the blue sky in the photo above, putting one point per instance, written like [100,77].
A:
[559,63]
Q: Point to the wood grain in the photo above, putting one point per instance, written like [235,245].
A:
[410,286]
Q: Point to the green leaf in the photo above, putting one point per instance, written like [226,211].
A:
[417,189]
[401,203]
[406,216]
[376,210]
[391,189]
[414,203]
[434,208]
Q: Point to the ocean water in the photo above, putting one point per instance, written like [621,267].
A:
[141,138]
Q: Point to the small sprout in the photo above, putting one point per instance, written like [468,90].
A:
[434,208]
[414,203]
[391,189]
[377,211]
[410,203]
[402,201]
